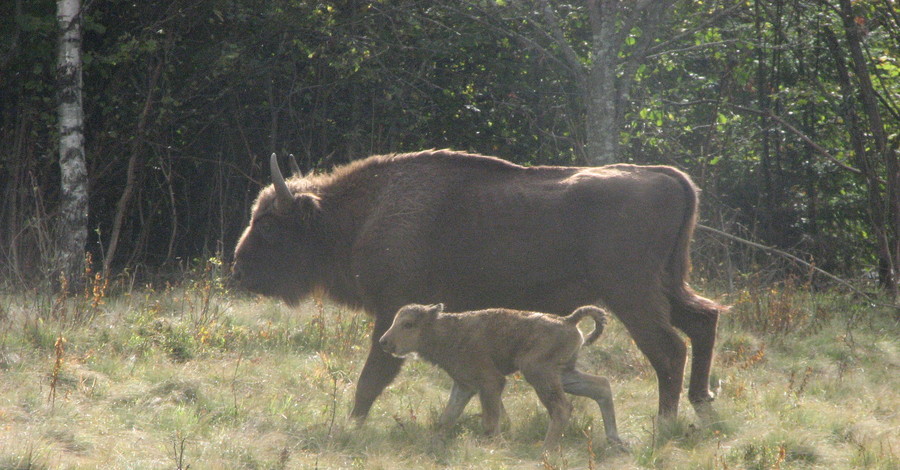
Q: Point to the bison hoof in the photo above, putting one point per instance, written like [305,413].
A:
[618,444]
[357,421]
[699,399]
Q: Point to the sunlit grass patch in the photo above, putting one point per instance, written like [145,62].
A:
[256,384]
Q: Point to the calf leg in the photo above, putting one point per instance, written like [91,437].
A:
[491,405]
[459,398]
[546,381]
[379,371]
[597,389]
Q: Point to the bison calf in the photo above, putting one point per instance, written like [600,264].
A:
[478,349]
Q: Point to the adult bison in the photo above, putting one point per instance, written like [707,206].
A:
[474,232]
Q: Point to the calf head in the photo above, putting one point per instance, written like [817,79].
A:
[405,334]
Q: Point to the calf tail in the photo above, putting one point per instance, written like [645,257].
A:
[598,314]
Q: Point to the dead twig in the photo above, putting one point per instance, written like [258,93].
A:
[769,249]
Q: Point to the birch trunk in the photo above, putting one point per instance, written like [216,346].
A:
[73,220]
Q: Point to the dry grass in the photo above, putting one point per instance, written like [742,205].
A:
[194,377]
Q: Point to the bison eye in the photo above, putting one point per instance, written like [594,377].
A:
[408,324]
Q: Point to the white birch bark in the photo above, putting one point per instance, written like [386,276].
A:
[73,220]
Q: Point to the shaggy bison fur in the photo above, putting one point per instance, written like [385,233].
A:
[479,348]
[476,232]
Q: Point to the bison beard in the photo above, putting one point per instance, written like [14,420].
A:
[477,232]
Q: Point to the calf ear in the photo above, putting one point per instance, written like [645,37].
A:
[436,309]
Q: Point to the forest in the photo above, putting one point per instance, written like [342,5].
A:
[786,114]
[136,135]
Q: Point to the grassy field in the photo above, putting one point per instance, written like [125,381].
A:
[194,377]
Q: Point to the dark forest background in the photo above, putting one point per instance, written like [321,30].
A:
[786,113]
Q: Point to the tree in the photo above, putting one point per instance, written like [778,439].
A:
[73,220]
[876,158]
[621,38]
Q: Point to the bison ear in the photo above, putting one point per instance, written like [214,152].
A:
[436,309]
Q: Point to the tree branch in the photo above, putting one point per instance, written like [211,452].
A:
[784,254]
[560,40]
[660,48]
[818,148]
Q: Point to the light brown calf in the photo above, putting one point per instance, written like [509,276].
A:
[478,349]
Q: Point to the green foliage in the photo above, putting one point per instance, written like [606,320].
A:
[200,92]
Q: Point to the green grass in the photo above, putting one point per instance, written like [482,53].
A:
[193,375]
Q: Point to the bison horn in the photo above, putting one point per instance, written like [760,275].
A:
[281,189]
[295,168]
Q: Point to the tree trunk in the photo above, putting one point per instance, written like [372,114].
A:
[132,170]
[869,100]
[603,111]
[870,147]
[614,59]
[73,220]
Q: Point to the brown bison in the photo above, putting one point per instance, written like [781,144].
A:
[475,232]
[478,349]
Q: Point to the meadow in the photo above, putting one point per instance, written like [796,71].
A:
[190,375]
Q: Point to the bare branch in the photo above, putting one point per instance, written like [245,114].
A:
[818,148]
[769,249]
[560,40]
[718,15]
[692,48]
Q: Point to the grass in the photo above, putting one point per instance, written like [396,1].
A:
[192,376]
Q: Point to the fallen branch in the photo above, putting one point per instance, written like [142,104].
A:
[769,249]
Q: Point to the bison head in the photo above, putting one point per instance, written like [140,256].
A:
[280,251]
[404,335]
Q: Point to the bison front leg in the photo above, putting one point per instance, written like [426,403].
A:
[378,372]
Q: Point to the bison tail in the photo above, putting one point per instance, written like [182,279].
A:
[678,267]
[598,314]
[688,303]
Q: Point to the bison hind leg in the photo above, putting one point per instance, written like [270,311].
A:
[646,313]
[698,318]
